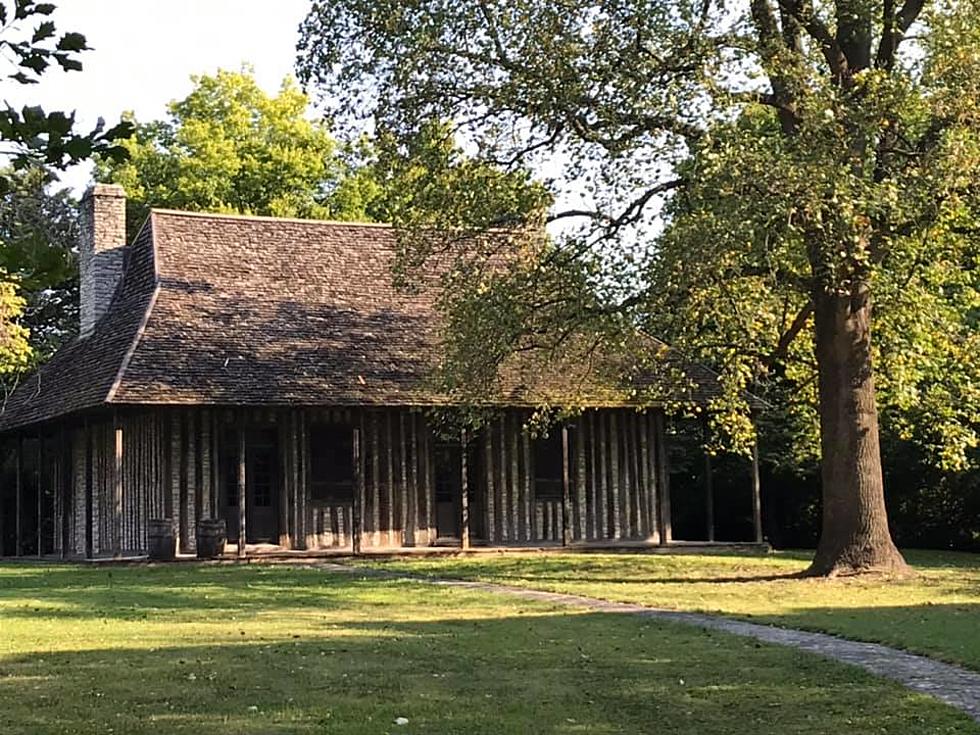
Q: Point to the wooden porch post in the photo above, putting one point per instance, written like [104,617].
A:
[4,449]
[756,495]
[117,494]
[18,496]
[464,501]
[355,512]
[89,492]
[709,489]
[663,475]
[566,498]
[709,497]
[241,487]
[37,489]
[215,466]
[67,496]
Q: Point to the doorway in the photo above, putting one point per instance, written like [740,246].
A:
[448,458]
[262,484]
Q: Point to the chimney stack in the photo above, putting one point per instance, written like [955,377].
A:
[101,249]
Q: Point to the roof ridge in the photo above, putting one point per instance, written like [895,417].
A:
[269,218]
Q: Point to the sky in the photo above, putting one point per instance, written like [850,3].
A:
[144,52]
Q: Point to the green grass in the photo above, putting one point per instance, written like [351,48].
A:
[936,612]
[276,649]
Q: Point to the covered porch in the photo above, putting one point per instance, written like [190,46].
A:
[310,480]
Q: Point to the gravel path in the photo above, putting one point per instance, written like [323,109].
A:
[953,685]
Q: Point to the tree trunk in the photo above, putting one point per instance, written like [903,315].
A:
[855,536]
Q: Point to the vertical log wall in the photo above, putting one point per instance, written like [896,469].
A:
[610,472]
[97,482]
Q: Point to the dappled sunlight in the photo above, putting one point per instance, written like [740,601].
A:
[275,649]
[936,611]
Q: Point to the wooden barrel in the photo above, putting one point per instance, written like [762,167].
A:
[161,539]
[212,535]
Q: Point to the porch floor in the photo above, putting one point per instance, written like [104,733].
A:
[272,551]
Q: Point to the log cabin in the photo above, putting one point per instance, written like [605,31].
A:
[270,373]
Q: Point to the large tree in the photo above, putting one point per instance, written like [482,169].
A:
[813,155]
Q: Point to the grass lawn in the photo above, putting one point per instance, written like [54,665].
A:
[276,649]
[937,612]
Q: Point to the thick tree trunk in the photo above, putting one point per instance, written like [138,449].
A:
[855,536]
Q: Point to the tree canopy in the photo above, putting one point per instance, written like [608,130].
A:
[38,232]
[230,147]
[759,182]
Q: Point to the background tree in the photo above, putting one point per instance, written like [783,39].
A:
[38,233]
[230,147]
[822,153]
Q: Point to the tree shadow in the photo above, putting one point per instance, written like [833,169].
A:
[516,673]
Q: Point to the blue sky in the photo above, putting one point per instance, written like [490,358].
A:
[144,52]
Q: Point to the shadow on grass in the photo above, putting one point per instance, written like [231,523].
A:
[595,673]
[177,591]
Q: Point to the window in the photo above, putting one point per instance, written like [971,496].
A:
[332,463]
[262,467]
[548,480]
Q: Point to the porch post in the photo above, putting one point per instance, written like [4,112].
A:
[215,466]
[709,490]
[355,512]
[566,498]
[117,495]
[663,476]
[66,491]
[241,487]
[38,490]
[90,492]
[18,496]
[4,449]
[464,501]
[756,495]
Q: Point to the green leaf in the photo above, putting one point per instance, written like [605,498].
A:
[72,42]
[43,31]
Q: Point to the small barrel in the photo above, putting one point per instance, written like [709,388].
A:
[212,535]
[161,539]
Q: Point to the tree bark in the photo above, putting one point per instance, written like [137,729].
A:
[855,536]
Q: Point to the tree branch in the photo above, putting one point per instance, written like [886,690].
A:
[789,336]
[802,11]
[894,28]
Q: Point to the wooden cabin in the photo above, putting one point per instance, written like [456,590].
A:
[268,372]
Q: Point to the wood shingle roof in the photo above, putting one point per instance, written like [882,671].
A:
[230,310]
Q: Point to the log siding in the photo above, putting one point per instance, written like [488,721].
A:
[103,479]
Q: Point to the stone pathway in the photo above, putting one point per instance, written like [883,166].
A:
[953,685]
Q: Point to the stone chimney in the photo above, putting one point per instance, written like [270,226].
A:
[101,251]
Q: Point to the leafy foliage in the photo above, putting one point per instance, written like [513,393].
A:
[713,166]
[14,347]
[29,45]
[37,246]
[230,147]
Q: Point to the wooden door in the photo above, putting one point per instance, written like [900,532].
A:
[261,486]
[448,490]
